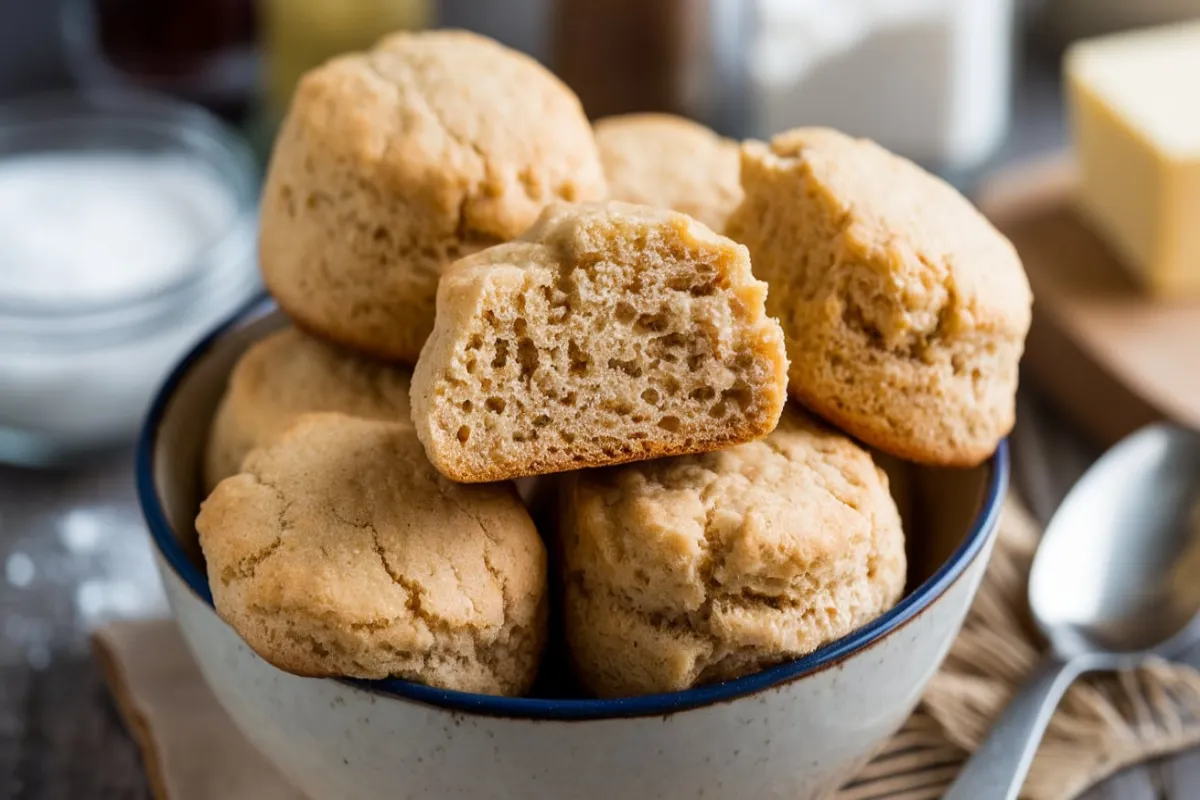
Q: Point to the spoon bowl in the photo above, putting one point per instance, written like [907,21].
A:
[1116,579]
[1118,570]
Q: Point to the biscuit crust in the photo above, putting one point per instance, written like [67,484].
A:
[290,373]
[708,567]
[905,311]
[339,551]
[395,162]
[670,162]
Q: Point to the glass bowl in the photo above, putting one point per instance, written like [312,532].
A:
[78,366]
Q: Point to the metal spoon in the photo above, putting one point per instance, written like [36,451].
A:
[1116,579]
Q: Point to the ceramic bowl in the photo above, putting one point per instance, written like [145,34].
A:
[796,730]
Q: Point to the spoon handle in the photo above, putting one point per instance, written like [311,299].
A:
[997,769]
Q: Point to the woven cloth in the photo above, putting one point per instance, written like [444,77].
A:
[1106,722]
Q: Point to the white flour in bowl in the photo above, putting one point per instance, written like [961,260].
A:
[112,263]
[101,226]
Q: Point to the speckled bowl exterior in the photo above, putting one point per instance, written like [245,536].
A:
[796,731]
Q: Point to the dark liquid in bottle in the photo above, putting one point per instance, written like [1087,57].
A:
[200,50]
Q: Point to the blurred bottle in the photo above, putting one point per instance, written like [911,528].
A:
[929,79]
[523,25]
[202,51]
[301,34]
[680,56]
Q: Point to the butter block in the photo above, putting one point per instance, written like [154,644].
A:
[1134,106]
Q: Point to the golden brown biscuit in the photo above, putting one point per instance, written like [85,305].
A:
[905,310]
[607,333]
[670,162]
[393,163]
[703,568]
[288,374]
[341,551]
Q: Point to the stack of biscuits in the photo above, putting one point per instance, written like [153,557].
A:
[696,348]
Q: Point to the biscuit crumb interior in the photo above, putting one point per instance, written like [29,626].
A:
[623,336]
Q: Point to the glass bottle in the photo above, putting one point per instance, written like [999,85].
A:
[301,34]
[202,51]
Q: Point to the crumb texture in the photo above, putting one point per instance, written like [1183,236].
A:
[670,162]
[905,311]
[703,568]
[340,551]
[395,162]
[288,374]
[607,333]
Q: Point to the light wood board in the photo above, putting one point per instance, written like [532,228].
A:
[1113,358]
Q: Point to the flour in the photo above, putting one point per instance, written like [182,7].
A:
[96,227]
[112,264]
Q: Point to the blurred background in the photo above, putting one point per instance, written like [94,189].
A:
[930,78]
[127,225]
[133,134]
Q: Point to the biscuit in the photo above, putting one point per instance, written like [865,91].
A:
[339,551]
[691,570]
[608,333]
[393,163]
[905,311]
[288,374]
[670,162]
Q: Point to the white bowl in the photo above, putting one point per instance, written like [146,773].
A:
[797,730]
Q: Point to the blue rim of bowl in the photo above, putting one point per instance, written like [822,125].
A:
[532,708]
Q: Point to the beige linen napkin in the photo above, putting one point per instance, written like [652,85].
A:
[192,751]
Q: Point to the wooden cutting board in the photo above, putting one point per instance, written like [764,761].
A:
[1111,357]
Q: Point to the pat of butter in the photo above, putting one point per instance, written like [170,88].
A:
[1134,105]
